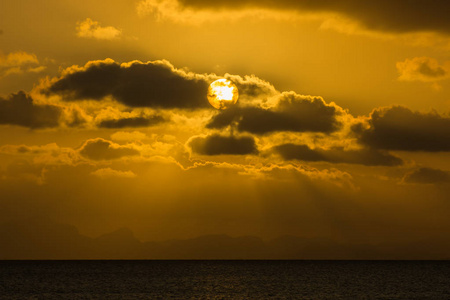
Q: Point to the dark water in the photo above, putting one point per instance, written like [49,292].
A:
[224,280]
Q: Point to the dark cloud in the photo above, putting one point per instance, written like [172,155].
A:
[142,121]
[100,149]
[427,176]
[382,15]
[399,128]
[293,112]
[366,157]
[20,109]
[217,145]
[136,84]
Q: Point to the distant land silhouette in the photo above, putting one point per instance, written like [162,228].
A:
[45,239]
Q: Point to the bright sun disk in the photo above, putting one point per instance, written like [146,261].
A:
[222,94]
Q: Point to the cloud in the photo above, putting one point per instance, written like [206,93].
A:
[19,62]
[427,176]
[386,15]
[153,84]
[366,157]
[424,69]
[143,121]
[92,29]
[399,128]
[19,58]
[20,109]
[100,149]
[217,145]
[293,112]
[111,173]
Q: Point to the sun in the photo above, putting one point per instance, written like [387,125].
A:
[222,94]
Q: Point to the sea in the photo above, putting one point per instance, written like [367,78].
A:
[150,279]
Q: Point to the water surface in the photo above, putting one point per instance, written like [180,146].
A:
[225,280]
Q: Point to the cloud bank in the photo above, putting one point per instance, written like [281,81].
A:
[399,128]
[292,112]
[217,145]
[386,15]
[154,84]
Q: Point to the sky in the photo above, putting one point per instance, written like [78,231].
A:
[341,130]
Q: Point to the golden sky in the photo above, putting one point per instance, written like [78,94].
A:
[341,131]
